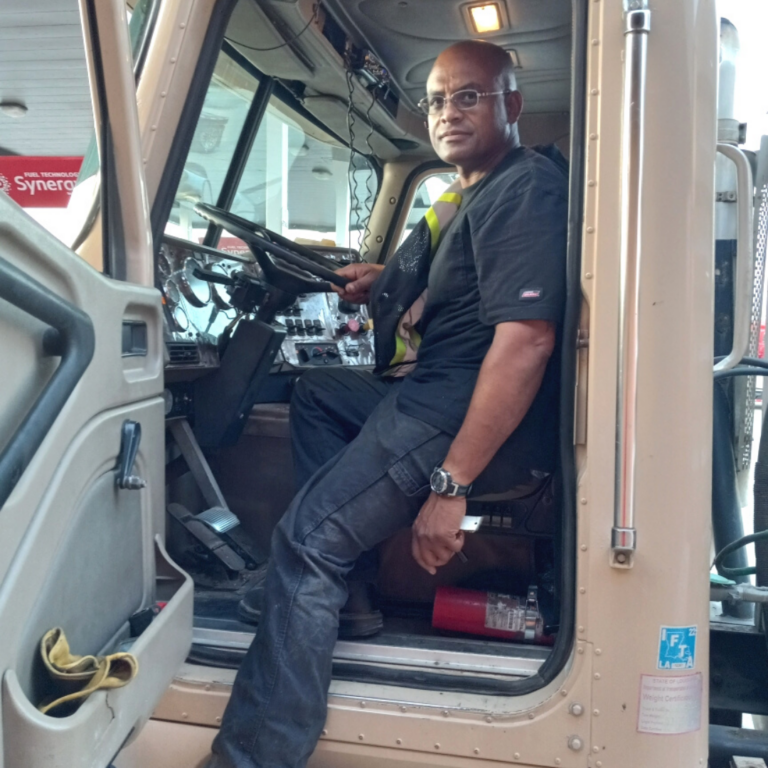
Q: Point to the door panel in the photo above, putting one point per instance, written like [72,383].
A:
[76,551]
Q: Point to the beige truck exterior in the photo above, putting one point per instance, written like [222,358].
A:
[609,706]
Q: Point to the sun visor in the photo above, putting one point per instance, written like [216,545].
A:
[332,112]
[252,32]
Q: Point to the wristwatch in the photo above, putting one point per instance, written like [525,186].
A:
[442,483]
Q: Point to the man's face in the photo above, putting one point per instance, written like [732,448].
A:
[470,137]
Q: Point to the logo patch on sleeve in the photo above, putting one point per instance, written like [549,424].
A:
[531,293]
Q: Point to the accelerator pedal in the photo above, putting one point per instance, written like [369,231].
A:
[206,536]
[225,523]
[219,519]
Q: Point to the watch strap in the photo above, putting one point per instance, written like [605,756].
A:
[454,489]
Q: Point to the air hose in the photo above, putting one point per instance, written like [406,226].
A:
[732,547]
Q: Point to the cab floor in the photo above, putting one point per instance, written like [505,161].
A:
[215,615]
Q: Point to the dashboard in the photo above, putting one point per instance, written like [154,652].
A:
[320,329]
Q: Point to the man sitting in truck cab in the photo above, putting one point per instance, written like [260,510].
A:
[378,453]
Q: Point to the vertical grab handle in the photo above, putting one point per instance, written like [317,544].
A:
[742,307]
[636,29]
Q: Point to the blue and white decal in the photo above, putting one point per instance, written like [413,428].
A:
[677,648]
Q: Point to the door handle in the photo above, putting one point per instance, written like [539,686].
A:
[130,438]
[742,305]
[74,343]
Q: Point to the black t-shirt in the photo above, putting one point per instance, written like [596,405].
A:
[501,259]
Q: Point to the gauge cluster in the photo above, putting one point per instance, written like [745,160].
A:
[197,312]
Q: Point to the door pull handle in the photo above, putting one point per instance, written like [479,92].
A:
[130,437]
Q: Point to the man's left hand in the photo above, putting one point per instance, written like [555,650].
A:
[436,534]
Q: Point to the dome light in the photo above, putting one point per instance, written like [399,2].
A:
[485,18]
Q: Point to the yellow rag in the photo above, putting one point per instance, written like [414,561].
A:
[91,672]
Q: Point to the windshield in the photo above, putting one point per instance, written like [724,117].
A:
[297,179]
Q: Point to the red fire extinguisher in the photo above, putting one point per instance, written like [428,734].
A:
[490,613]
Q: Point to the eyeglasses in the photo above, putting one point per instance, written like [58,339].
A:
[462,100]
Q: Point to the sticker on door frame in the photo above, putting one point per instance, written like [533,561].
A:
[670,705]
[677,647]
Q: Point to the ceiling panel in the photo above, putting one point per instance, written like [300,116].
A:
[408,35]
[444,20]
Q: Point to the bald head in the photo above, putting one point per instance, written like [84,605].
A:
[493,60]
[473,105]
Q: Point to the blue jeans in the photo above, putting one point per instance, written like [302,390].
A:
[371,488]
[329,407]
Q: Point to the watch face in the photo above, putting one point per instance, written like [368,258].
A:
[439,480]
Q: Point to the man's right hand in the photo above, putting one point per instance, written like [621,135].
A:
[362,276]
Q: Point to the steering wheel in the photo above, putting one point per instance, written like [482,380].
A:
[206,250]
[285,264]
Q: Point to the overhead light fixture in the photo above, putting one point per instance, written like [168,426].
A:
[13,108]
[485,18]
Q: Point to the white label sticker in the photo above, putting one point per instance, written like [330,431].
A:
[670,704]
[505,613]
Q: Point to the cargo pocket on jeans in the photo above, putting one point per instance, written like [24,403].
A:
[411,472]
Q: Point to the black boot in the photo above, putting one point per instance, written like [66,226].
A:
[358,618]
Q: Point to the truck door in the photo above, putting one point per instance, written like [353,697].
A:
[82,435]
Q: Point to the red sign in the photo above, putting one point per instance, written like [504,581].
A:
[39,182]
[233,245]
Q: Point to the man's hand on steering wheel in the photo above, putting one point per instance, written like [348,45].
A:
[362,277]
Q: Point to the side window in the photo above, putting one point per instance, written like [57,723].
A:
[141,15]
[427,193]
[46,115]
[49,159]
[297,180]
